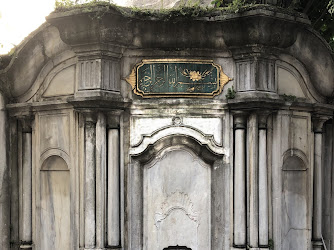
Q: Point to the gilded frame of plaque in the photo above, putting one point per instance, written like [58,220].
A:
[177,78]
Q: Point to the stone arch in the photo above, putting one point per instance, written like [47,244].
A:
[177,130]
[301,77]
[202,150]
[55,208]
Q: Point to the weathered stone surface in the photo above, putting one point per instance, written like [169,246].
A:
[4,179]
[174,213]
[162,173]
[55,214]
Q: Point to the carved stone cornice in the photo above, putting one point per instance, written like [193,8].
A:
[255,103]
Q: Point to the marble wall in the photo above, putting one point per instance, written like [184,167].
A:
[87,164]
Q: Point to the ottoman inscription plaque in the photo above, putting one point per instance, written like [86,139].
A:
[177,78]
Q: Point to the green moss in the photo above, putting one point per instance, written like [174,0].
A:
[271,244]
[230,93]
[66,5]
[182,12]
[289,98]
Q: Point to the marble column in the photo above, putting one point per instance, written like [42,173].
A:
[240,180]
[4,180]
[252,173]
[26,186]
[113,188]
[101,162]
[263,183]
[89,185]
[317,183]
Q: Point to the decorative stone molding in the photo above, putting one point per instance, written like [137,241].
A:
[180,130]
[177,200]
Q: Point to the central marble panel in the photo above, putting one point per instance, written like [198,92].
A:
[177,201]
[55,228]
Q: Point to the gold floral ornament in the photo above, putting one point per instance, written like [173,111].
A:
[195,76]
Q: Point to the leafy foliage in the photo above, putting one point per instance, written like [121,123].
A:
[321,16]
[230,93]
[320,12]
[63,3]
[233,5]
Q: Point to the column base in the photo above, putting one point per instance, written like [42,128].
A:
[258,248]
[317,245]
[26,247]
[107,248]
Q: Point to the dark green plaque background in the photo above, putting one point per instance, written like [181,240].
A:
[177,78]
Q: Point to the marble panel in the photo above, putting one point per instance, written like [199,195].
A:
[258,74]
[55,219]
[299,128]
[62,83]
[54,132]
[177,202]
[111,75]
[89,74]
[295,205]
[288,84]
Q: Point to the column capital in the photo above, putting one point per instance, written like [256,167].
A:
[26,123]
[262,118]
[318,122]
[113,120]
[240,119]
[90,116]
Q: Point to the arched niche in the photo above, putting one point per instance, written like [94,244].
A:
[177,188]
[55,209]
[295,230]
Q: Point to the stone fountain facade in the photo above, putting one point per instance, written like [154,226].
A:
[88,163]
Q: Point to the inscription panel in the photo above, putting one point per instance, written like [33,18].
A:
[177,77]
